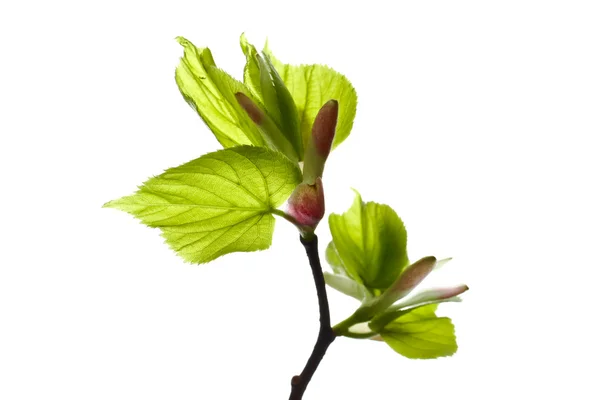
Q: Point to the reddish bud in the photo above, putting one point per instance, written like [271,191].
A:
[307,203]
[255,113]
[319,145]
[412,276]
[323,130]
[448,292]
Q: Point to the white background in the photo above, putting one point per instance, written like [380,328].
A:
[477,121]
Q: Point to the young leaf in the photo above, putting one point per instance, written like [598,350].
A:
[211,92]
[409,278]
[311,86]
[345,285]
[272,135]
[252,67]
[419,333]
[333,259]
[268,87]
[437,295]
[370,240]
[216,204]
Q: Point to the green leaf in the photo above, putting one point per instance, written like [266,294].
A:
[345,285]
[288,113]
[419,333]
[261,77]
[311,86]
[339,280]
[334,260]
[216,204]
[409,278]
[370,240]
[252,67]
[210,91]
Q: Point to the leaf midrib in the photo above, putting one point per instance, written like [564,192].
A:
[262,210]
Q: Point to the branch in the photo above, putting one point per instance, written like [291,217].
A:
[326,334]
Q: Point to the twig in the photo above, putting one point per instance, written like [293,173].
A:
[326,334]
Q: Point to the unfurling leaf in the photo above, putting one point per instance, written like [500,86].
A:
[261,77]
[437,295]
[370,240]
[319,145]
[347,286]
[311,86]
[271,133]
[211,92]
[333,259]
[409,278]
[419,333]
[217,204]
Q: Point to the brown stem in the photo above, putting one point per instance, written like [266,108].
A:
[326,334]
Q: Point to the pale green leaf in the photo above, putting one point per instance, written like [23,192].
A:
[333,259]
[370,240]
[252,67]
[409,278]
[345,285]
[419,333]
[287,112]
[217,204]
[311,86]
[261,77]
[432,295]
[210,91]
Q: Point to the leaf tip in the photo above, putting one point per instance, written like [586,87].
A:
[110,204]
[440,263]
[182,41]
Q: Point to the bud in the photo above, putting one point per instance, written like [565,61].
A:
[323,129]
[437,295]
[412,276]
[269,130]
[319,145]
[307,203]
[404,284]
[255,113]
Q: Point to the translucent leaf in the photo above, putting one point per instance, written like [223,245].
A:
[419,333]
[370,240]
[261,77]
[436,295]
[211,92]
[346,286]
[311,86]
[217,204]
[289,117]
[409,278]
[333,259]
[252,67]
[440,263]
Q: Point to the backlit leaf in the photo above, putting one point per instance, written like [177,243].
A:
[211,92]
[370,240]
[419,333]
[217,204]
[311,86]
